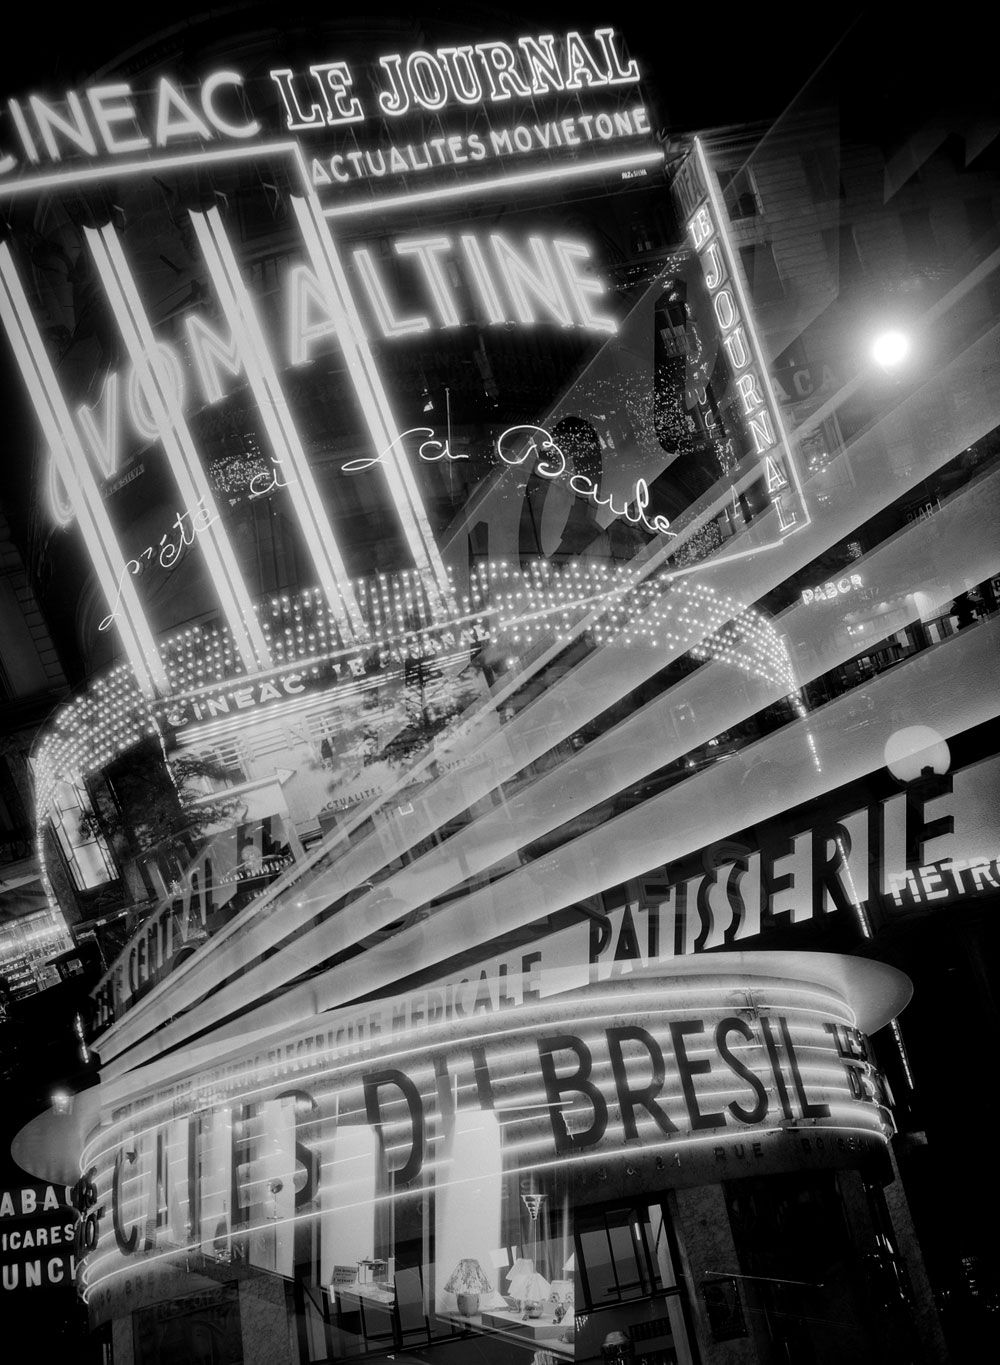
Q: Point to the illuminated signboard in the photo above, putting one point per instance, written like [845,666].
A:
[834,588]
[878,859]
[272,392]
[153,395]
[767,451]
[37,1232]
[316,1128]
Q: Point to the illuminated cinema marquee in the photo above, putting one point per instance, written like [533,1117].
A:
[350,299]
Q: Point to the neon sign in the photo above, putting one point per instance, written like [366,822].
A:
[541,280]
[828,592]
[459,149]
[112,123]
[469,75]
[168,553]
[769,450]
[552,464]
[180,1170]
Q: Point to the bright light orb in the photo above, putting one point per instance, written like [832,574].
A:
[909,751]
[890,349]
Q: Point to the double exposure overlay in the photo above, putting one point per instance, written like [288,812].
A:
[498,664]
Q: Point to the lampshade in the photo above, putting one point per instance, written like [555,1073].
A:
[468,1277]
[536,1288]
[522,1266]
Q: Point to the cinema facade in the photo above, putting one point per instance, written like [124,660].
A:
[486,795]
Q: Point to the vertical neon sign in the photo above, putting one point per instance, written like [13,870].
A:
[706,222]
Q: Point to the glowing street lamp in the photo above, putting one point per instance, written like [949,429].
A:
[890,349]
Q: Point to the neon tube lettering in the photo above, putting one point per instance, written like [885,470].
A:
[165,414]
[273,407]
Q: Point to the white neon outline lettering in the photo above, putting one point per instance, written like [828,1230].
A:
[429,100]
[567,253]
[747,321]
[622,75]
[775,478]
[714,269]
[57,498]
[500,64]
[580,62]
[483,280]
[762,431]
[374,404]
[723,304]
[49,119]
[103,443]
[396,100]
[182,456]
[543,64]
[211,353]
[342,107]
[296,119]
[71,463]
[276,415]
[304,295]
[737,349]
[450,57]
[170,375]
[427,251]
[746,387]
[106,114]
[23,132]
[209,88]
[519,277]
[168,98]
[372,283]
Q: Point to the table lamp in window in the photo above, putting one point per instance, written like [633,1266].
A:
[468,1283]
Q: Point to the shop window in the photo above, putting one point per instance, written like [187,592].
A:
[615,1255]
[627,1285]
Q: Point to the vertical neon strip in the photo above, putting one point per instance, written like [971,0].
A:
[68,456]
[735,274]
[274,411]
[374,404]
[165,408]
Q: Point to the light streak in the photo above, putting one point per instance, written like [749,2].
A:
[74,469]
[374,403]
[185,463]
[277,419]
